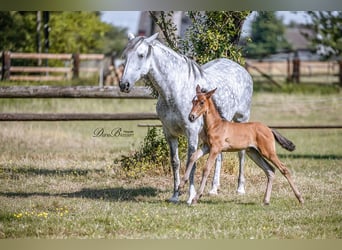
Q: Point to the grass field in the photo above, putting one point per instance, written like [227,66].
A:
[58,181]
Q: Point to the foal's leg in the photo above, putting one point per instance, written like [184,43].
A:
[241,180]
[216,179]
[275,160]
[268,169]
[194,157]
[206,171]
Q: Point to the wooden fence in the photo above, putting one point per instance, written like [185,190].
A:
[71,70]
[93,92]
[275,71]
[74,92]
[296,71]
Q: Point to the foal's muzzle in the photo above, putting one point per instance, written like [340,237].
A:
[124,87]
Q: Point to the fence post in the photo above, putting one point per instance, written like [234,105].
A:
[76,65]
[340,72]
[288,70]
[296,70]
[6,65]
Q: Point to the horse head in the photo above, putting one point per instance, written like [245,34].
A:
[200,103]
[137,56]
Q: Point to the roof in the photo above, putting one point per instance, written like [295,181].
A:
[297,37]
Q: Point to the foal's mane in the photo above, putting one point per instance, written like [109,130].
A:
[204,90]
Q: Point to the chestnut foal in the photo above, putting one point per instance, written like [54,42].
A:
[256,138]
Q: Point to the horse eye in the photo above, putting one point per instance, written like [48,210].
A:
[140,55]
[202,102]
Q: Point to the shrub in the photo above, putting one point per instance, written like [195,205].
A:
[152,157]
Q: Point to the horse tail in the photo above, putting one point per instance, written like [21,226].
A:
[285,143]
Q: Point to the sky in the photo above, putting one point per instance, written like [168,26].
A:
[130,19]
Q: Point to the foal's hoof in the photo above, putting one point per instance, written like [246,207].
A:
[194,202]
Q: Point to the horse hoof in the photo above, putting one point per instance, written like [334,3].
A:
[241,190]
[173,199]
[213,192]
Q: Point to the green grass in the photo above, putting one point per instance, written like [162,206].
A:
[295,88]
[58,181]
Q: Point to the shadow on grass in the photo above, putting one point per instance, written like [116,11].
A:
[213,201]
[107,194]
[30,171]
[114,194]
[312,156]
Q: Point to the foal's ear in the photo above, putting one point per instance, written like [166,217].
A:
[210,93]
[198,89]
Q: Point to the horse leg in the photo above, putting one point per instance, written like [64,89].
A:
[241,180]
[175,163]
[194,157]
[216,179]
[268,169]
[284,170]
[192,145]
[205,174]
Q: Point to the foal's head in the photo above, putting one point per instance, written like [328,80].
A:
[200,103]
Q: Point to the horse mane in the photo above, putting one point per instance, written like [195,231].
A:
[132,43]
[193,67]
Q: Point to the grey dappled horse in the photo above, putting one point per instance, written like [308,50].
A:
[175,78]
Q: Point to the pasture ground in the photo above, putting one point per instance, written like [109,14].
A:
[58,181]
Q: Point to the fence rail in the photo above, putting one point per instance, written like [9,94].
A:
[76,116]
[296,70]
[72,92]
[30,72]
[271,126]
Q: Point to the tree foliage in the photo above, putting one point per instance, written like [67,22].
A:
[211,35]
[215,34]
[17,32]
[70,32]
[328,28]
[267,36]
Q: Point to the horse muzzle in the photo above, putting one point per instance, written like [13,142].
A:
[124,87]
[192,117]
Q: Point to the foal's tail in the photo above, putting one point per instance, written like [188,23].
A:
[285,143]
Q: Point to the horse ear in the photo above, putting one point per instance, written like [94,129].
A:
[130,36]
[210,93]
[198,89]
[152,38]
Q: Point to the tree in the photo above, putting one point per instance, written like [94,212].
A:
[267,36]
[215,34]
[70,32]
[211,35]
[82,32]
[328,28]
[17,31]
